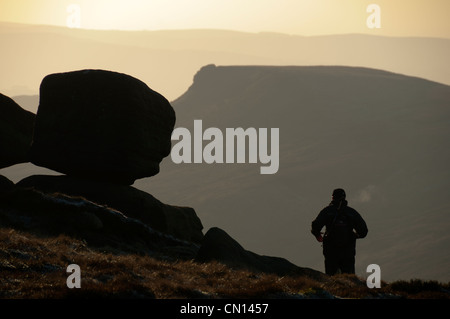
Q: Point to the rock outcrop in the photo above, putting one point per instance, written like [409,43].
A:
[101,125]
[181,222]
[103,130]
[217,245]
[104,228]
[16,130]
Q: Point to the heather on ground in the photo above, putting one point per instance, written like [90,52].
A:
[34,267]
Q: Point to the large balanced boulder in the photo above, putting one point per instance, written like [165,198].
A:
[101,125]
[16,131]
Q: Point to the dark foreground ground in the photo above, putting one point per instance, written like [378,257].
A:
[35,267]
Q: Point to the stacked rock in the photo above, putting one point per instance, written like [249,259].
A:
[103,130]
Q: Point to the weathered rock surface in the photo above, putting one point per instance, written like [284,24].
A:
[219,246]
[101,227]
[181,222]
[16,130]
[101,125]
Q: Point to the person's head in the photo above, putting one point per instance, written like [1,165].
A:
[338,195]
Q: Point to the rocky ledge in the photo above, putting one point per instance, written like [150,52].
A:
[103,130]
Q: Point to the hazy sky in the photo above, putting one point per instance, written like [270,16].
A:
[303,17]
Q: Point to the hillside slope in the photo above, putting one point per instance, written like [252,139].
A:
[381,136]
[35,268]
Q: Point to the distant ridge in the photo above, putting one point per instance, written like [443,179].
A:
[167,59]
[27,102]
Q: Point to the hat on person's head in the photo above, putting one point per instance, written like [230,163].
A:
[338,194]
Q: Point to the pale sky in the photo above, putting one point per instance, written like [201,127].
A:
[303,17]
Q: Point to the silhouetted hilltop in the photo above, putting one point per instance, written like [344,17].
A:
[167,59]
[381,136]
[27,102]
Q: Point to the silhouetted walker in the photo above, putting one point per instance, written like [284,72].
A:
[343,226]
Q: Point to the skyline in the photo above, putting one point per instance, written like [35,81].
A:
[413,18]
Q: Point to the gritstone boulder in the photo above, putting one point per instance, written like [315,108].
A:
[101,125]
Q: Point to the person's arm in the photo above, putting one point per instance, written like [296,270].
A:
[317,225]
[360,226]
